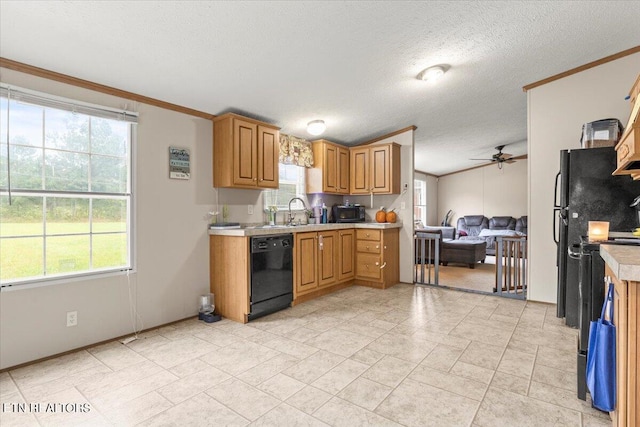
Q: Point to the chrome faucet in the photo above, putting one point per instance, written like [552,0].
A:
[292,215]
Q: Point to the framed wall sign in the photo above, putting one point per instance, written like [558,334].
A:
[179,163]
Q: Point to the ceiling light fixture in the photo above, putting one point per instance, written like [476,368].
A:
[432,74]
[316,127]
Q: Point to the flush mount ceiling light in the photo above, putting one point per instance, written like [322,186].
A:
[432,74]
[316,127]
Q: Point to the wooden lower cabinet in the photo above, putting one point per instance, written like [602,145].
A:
[626,317]
[346,255]
[327,258]
[229,276]
[377,257]
[322,260]
[305,256]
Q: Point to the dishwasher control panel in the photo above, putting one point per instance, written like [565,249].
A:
[271,243]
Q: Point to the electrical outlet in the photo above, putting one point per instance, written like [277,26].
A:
[72,318]
[403,205]
[250,209]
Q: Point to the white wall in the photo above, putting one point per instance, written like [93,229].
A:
[556,113]
[170,234]
[487,191]
[405,215]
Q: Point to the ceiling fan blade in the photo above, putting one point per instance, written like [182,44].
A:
[488,160]
[509,161]
[505,155]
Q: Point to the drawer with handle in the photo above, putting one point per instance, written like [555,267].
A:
[369,266]
[368,246]
[366,234]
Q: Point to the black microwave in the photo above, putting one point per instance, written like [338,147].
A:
[348,213]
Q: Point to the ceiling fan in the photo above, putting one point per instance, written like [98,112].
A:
[500,157]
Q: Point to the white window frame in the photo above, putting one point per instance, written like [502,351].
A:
[58,103]
[269,196]
[420,185]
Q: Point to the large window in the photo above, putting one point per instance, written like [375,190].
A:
[292,184]
[420,202]
[65,188]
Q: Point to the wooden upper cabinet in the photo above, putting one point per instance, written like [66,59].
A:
[375,169]
[343,170]
[268,153]
[245,156]
[330,172]
[628,148]
[245,153]
[360,170]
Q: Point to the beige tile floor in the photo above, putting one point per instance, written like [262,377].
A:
[406,356]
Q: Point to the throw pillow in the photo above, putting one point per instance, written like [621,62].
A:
[463,233]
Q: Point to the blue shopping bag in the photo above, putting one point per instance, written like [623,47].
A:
[601,358]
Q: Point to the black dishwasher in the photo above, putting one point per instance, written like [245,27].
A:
[271,274]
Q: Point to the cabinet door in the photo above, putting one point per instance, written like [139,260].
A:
[245,157]
[343,170]
[359,173]
[380,169]
[327,258]
[346,255]
[268,152]
[306,267]
[330,173]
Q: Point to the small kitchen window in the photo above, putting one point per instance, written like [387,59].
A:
[65,188]
[292,184]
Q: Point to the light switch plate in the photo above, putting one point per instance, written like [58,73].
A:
[250,209]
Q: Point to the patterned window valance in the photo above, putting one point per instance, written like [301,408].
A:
[295,151]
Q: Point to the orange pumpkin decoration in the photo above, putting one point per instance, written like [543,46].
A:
[381,215]
[391,216]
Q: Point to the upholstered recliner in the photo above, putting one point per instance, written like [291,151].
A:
[502,223]
[521,224]
[470,226]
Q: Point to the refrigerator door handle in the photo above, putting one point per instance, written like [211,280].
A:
[556,215]
[555,192]
[560,213]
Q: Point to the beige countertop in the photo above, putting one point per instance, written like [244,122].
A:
[262,230]
[624,260]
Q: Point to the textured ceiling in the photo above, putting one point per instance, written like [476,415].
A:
[352,64]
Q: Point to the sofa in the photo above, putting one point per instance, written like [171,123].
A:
[479,227]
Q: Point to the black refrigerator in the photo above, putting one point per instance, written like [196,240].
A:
[586,191]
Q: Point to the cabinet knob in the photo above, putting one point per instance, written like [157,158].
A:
[367,234]
[385,246]
[377,246]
